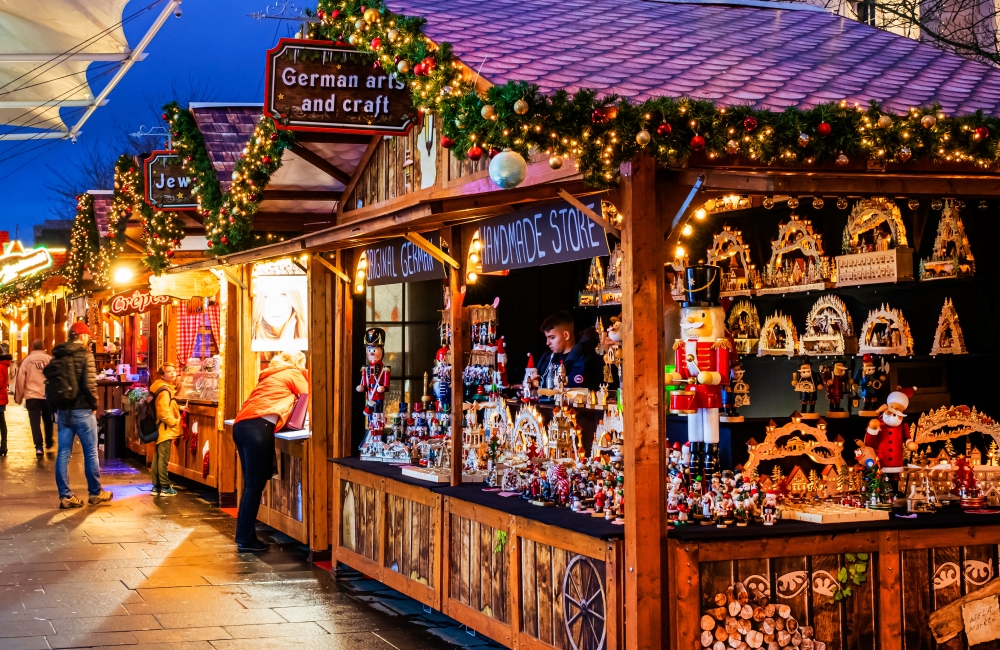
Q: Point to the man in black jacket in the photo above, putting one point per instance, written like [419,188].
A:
[79,420]
[583,366]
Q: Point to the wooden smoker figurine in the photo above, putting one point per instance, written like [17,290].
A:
[805,385]
[374,380]
[702,359]
[887,433]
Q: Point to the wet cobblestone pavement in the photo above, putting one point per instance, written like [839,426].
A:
[164,574]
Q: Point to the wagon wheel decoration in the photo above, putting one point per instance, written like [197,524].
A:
[584,605]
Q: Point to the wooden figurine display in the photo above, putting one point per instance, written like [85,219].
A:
[591,294]
[885,332]
[483,375]
[744,326]
[736,395]
[797,262]
[869,384]
[806,386]
[888,433]
[778,337]
[796,438]
[829,330]
[702,359]
[949,422]
[739,278]
[948,337]
[837,382]
[374,383]
[875,247]
[611,293]
[951,256]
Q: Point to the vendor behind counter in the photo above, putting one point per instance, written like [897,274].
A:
[578,355]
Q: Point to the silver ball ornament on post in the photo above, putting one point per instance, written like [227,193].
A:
[508,169]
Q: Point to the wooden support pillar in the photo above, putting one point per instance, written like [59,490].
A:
[343,340]
[642,384]
[321,371]
[61,325]
[225,467]
[459,326]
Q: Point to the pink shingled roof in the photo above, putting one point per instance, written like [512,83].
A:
[226,131]
[768,58]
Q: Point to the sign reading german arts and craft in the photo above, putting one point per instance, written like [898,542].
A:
[321,86]
[135,302]
[398,260]
[168,184]
[550,234]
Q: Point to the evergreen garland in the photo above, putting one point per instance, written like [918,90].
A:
[84,243]
[604,132]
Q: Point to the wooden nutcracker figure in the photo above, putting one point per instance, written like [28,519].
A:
[374,379]
[702,359]
[869,381]
[769,511]
[887,433]
[837,383]
[805,385]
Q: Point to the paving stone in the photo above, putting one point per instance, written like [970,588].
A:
[105,624]
[24,628]
[26,643]
[360,641]
[274,630]
[181,635]
[320,612]
[96,640]
[206,617]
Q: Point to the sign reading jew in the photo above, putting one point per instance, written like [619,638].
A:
[320,86]
[17,263]
[135,302]
[398,260]
[550,234]
[168,184]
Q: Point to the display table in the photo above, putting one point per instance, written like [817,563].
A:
[516,572]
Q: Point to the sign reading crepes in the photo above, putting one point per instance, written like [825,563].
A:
[399,260]
[557,232]
[321,86]
[168,185]
[17,263]
[136,302]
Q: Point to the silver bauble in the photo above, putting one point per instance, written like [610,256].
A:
[403,66]
[508,169]
[905,153]
[488,112]
[804,139]
[842,160]
[768,202]
[520,107]
[732,147]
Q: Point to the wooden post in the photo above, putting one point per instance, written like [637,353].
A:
[642,385]
[343,339]
[321,364]
[458,327]
[230,402]
[60,330]
[890,594]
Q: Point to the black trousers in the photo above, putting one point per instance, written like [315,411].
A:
[255,444]
[39,414]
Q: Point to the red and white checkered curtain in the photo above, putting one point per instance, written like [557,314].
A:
[189,324]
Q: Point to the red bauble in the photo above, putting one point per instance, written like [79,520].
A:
[253,198]
[418,69]
[170,253]
[377,65]
[334,13]
[321,14]
[447,142]
[597,117]
[494,152]
[750,123]
[982,133]
[697,143]
[266,160]
[177,134]
[232,219]
[274,137]
[222,211]
[376,43]
[224,239]
[664,129]
[131,170]
[164,116]
[475,152]
[429,64]
[823,129]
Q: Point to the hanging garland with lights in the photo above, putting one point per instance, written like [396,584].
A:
[602,132]
[228,217]
[18,292]
[84,243]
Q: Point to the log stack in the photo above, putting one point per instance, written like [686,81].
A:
[744,619]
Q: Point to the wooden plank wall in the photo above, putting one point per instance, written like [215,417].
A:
[409,539]
[189,464]
[478,568]
[392,171]
[284,494]
[358,512]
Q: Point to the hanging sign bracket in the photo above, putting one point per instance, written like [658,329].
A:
[431,249]
[575,202]
[333,269]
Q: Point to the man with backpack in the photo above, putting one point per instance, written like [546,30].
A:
[168,425]
[29,387]
[71,388]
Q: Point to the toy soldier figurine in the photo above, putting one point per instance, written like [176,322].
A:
[702,358]
[735,394]
[887,433]
[374,379]
[805,386]
[837,383]
[869,382]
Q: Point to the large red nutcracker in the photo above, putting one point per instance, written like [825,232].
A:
[702,358]
[374,380]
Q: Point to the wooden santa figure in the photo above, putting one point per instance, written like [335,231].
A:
[887,433]
[702,359]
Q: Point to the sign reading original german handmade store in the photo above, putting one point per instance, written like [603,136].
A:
[398,260]
[554,233]
[168,184]
[135,302]
[320,86]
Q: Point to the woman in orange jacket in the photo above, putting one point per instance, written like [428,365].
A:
[265,411]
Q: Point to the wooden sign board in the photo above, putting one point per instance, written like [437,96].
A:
[397,260]
[168,185]
[136,302]
[550,234]
[321,86]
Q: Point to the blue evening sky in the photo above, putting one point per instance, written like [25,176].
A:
[213,48]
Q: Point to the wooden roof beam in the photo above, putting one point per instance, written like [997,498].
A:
[320,163]
[302,195]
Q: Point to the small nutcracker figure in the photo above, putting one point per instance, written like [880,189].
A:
[887,433]
[374,380]
[868,383]
[734,394]
[837,383]
[769,511]
[708,508]
[725,513]
[805,386]
[529,386]
[702,359]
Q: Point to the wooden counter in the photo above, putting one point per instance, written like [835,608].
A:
[187,454]
[282,505]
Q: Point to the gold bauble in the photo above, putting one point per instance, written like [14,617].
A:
[488,112]
[371,15]
[643,138]
[842,160]
[732,147]
[884,122]
[393,34]
[804,139]
[520,107]
[928,121]
[555,162]
[403,66]
[361,24]
[904,154]
[353,39]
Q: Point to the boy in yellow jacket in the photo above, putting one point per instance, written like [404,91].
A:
[168,419]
